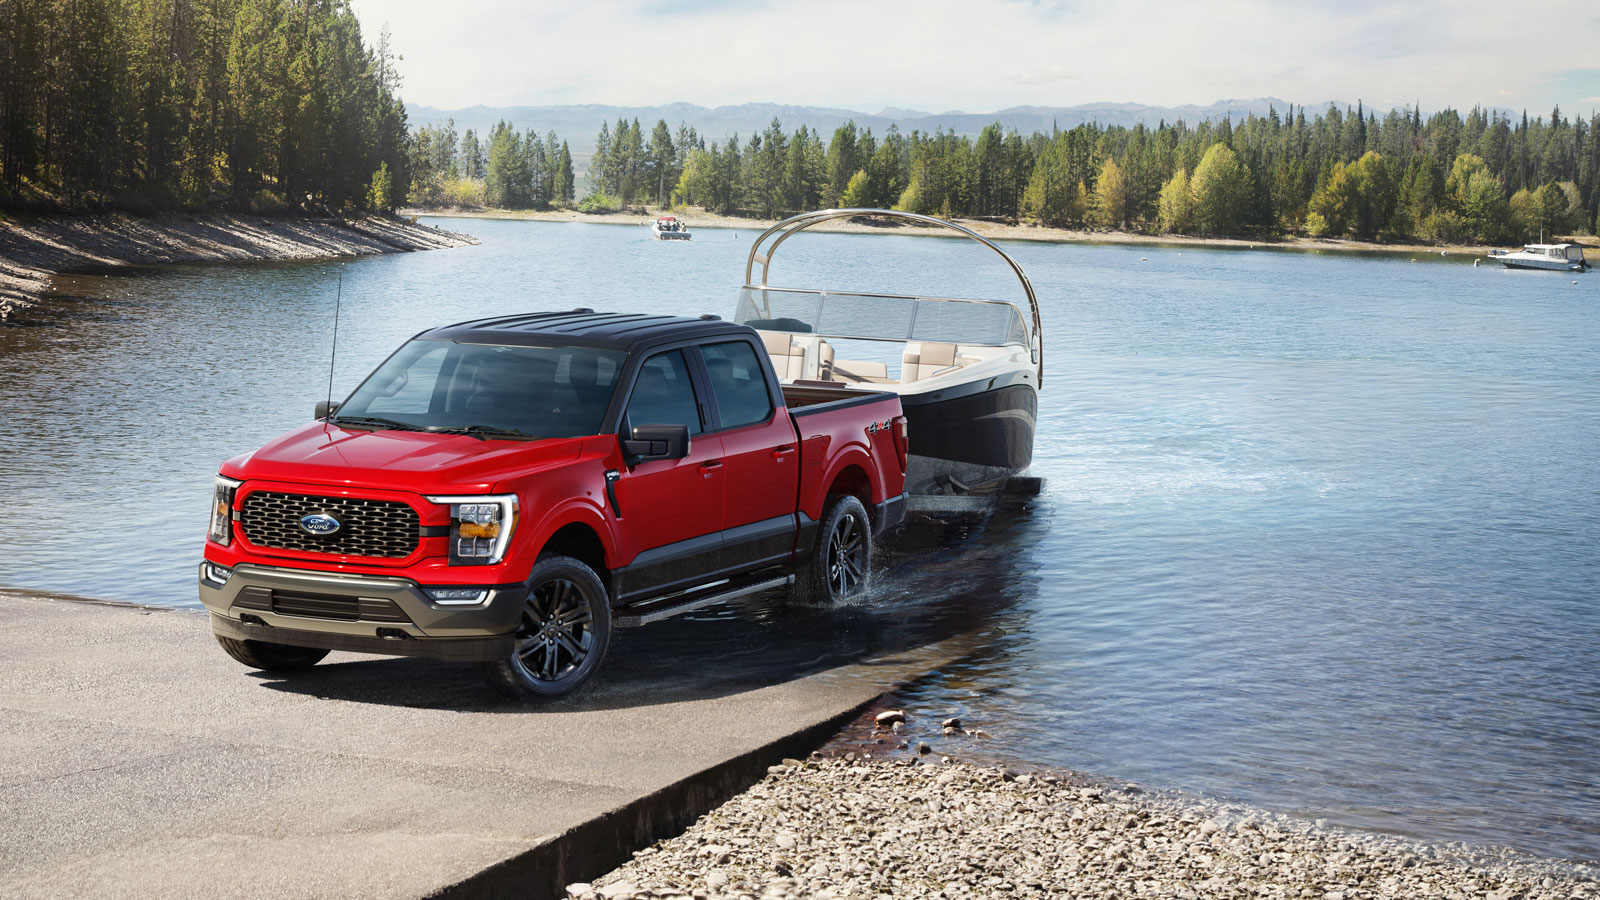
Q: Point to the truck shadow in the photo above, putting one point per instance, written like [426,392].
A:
[934,579]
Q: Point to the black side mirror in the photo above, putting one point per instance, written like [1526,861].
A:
[325,408]
[657,442]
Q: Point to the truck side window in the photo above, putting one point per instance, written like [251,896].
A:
[663,395]
[739,383]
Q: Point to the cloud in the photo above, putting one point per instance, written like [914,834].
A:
[1045,75]
[1591,99]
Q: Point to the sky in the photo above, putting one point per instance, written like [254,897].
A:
[987,55]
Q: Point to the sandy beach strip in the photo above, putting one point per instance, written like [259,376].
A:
[32,249]
[696,218]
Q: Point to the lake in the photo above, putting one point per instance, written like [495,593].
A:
[1320,533]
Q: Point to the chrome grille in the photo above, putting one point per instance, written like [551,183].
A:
[375,528]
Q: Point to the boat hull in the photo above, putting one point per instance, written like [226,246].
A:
[970,442]
[1554,265]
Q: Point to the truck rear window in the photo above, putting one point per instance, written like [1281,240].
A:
[541,392]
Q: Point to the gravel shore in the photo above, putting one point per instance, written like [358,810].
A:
[874,829]
[33,249]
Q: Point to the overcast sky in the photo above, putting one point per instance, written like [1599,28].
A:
[986,55]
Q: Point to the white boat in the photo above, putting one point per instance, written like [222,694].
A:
[967,371]
[1557,257]
[669,228]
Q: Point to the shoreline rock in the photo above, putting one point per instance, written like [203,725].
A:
[33,249]
[881,830]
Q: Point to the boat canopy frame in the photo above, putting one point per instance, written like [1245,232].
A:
[793,225]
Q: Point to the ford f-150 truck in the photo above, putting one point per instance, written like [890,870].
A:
[509,490]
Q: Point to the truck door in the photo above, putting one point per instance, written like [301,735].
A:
[671,508]
[761,458]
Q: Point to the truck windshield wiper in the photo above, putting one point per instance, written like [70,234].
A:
[481,432]
[374,421]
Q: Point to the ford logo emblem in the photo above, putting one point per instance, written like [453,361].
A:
[320,523]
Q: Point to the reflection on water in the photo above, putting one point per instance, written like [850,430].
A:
[1318,534]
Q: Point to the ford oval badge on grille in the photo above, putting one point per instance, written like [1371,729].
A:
[319,523]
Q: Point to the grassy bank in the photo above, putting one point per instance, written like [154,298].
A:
[32,249]
[992,230]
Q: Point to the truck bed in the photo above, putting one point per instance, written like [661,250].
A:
[805,399]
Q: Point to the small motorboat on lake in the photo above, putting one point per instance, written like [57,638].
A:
[967,371]
[669,228]
[1555,257]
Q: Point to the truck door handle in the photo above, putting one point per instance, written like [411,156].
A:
[783,451]
[709,466]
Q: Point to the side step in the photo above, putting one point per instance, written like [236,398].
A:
[667,607]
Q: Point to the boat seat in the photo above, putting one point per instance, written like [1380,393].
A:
[929,359]
[788,357]
[824,360]
[855,371]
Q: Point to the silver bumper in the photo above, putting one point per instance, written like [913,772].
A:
[364,613]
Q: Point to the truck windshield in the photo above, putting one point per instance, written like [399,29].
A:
[487,389]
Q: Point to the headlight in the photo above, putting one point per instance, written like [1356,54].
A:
[480,527]
[222,510]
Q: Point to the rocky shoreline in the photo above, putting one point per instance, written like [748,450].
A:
[34,249]
[876,829]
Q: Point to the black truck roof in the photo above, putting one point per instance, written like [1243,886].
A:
[611,331]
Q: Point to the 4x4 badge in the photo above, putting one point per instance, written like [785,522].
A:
[320,523]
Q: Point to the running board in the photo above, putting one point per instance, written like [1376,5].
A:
[691,602]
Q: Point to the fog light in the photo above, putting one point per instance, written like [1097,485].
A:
[457,596]
[216,574]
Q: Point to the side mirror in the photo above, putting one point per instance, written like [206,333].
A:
[657,442]
[325,408]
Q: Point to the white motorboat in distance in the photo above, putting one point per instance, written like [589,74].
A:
[1556,257]
[669,228]
[967,371]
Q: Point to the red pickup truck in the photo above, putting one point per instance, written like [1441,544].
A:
[507,491]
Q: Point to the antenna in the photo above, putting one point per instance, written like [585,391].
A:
[333,353]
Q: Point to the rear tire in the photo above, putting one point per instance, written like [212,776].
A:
[840,566]
[563,635]
[271,657]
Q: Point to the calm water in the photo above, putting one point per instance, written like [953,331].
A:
[1320,533]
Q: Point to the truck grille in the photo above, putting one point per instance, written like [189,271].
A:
[375,528]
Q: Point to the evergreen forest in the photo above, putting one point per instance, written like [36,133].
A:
[1445,178]
[146,105]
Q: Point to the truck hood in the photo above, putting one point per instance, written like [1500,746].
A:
[398,460]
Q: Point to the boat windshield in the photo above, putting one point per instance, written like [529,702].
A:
[491,390]
[882,317]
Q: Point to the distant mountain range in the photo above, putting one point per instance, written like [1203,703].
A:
[578,125]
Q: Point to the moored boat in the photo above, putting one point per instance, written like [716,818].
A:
[669,228]
[967,371]
[1555,257]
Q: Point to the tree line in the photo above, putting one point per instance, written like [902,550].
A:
[1452,177]
[506,170]
[267,105]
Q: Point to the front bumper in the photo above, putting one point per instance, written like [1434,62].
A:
[360,613]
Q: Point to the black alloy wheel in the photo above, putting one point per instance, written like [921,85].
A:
[840,566]
[563,635]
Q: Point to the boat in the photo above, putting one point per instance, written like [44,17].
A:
[1556,257]
[669,228]
[968,371]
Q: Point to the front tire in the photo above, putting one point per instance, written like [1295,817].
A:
[839,568]
[271,657]
[563,635]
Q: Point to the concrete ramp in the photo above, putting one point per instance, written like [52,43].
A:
[137,760]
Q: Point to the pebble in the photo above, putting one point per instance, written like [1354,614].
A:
[923,749]
[889,717]
[952,722]
[896,830]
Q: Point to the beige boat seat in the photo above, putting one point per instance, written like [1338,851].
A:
[856,371]
[788,357]
[928,360]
